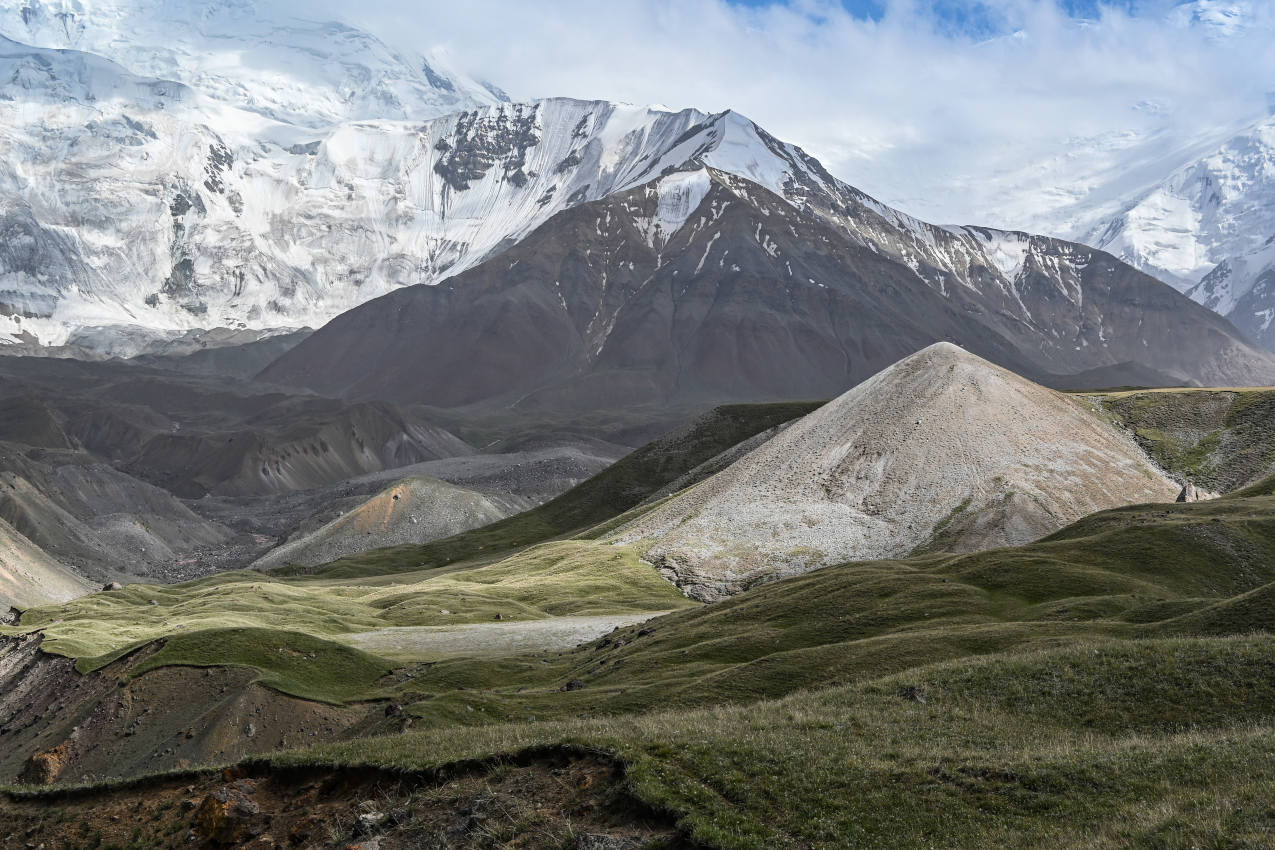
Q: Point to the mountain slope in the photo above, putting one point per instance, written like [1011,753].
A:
[702,286]
[1220,440]
[97,519]
[941,450]
[1207,230]
[682,455]
[193,435]
[1219,206]
[414,510]
[1242,288]
[29,577]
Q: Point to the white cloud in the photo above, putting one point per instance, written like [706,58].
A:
[1012,131]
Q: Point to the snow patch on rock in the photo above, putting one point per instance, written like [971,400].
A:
[679,195]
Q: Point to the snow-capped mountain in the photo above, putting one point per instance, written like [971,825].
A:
[703,287]
[131,200]
[169,187]
[1071,178]
[161,207]
[170,172]
[1243,289]
[1219,206]
[305,73]
[1206,229]
[152,148]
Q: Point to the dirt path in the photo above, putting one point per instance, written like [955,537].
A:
[505,638]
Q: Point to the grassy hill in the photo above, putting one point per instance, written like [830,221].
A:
[1096,744]
[1060,694]
[1220,439]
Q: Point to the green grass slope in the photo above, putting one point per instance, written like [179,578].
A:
[1101,744]
[297,664]
[1221,440]
[1186,569]
[550,580]
[1112,685]
[1133,573]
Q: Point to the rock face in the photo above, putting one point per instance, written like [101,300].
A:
[229,815]
[44,767]
[942,451]
[1191,493]
[747,294]
[414,510]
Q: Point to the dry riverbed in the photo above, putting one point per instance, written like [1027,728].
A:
[501,638]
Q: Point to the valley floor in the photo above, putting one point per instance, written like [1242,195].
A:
[533,684]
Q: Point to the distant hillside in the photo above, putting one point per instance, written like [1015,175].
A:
[610,493]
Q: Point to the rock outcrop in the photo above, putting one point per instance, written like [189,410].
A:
[1191,493]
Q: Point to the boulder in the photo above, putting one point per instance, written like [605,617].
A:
[44,767]
[1191,493]
[599,841]
[228,816]
[370,823]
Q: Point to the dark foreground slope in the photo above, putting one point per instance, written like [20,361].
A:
[1110,686]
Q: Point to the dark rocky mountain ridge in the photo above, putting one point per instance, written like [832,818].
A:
[753,297]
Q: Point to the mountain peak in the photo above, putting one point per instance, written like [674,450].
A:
[941,450]
[944,350]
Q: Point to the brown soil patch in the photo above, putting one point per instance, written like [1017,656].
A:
[59,726]
[543,799]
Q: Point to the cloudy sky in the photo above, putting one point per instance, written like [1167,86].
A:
[1008,112]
